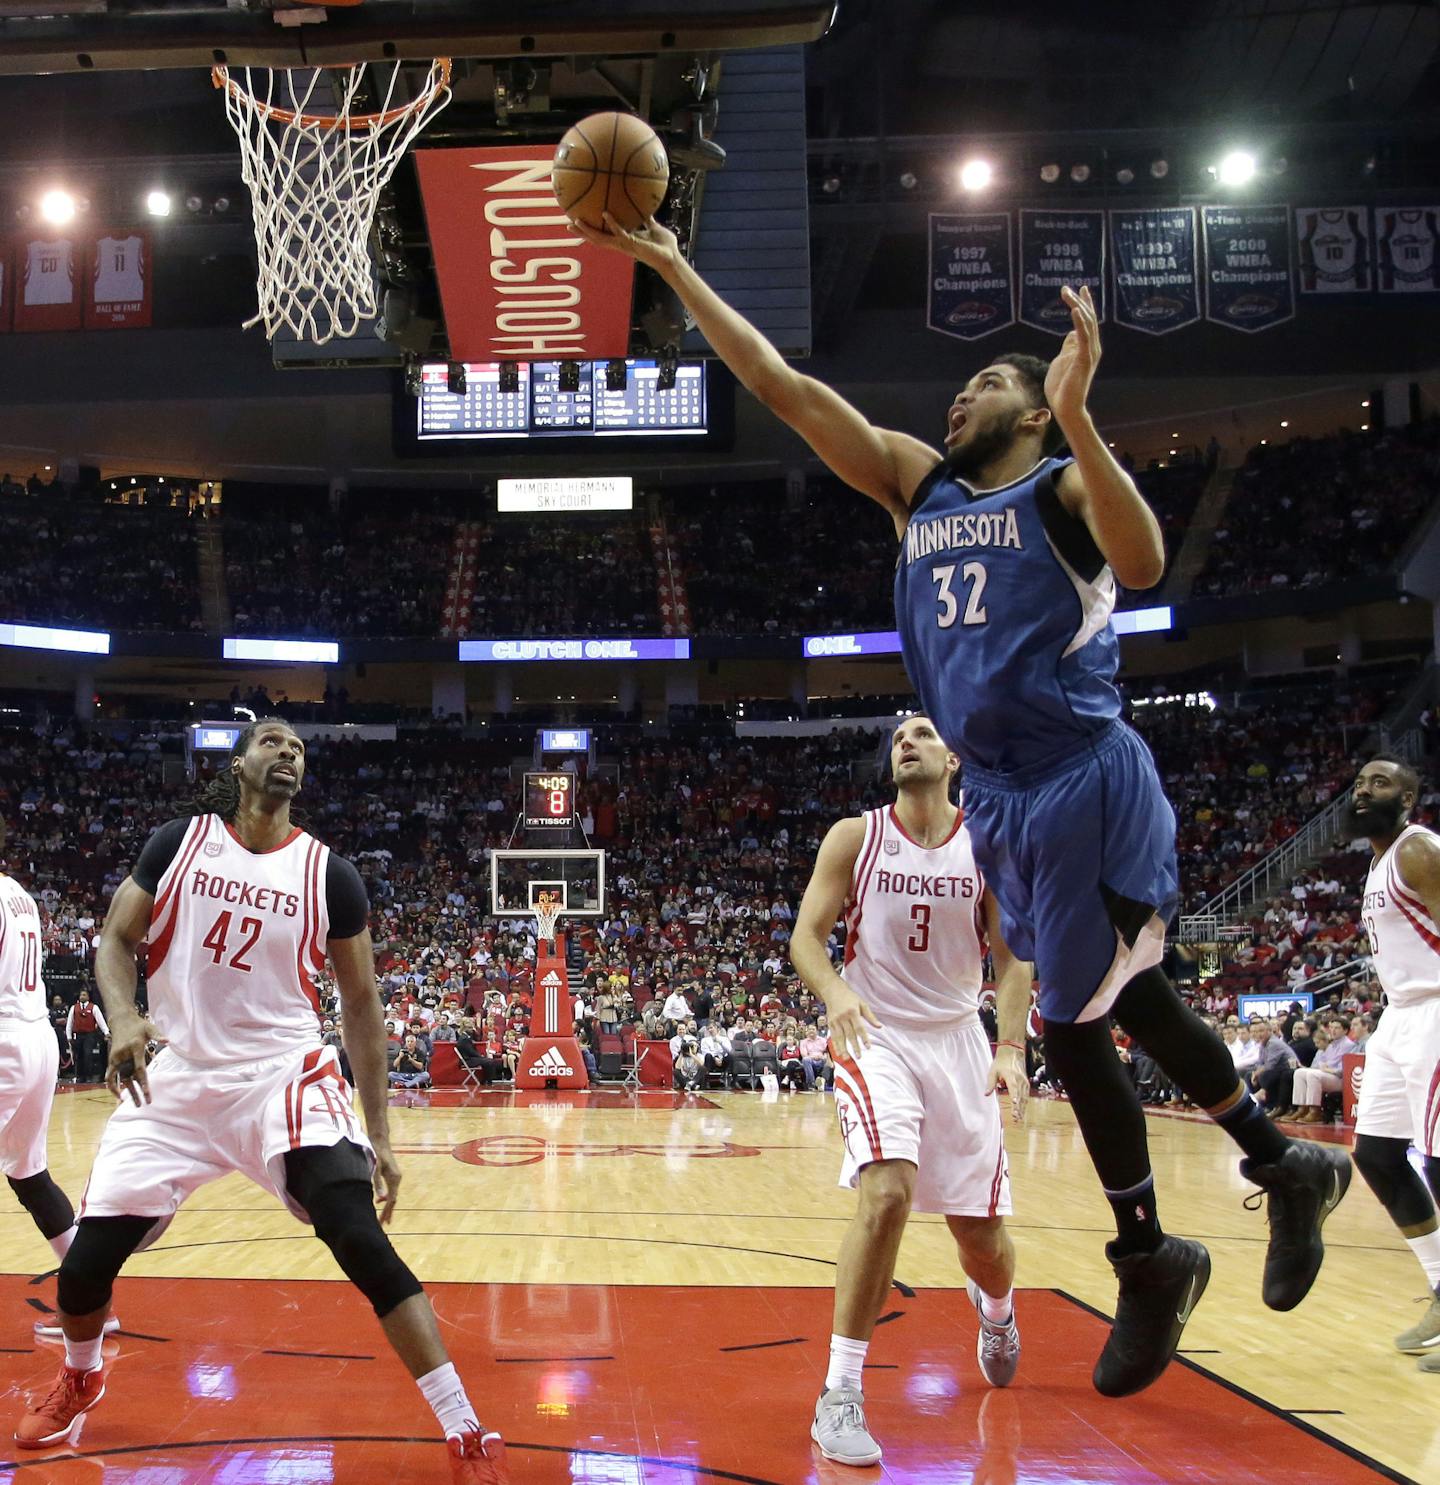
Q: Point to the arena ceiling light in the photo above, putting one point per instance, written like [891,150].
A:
[1159,169]
[1050,172]
[58,207]
[158,203]
[1236,169]
[976,175]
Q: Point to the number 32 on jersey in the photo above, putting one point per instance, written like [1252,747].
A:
[972,578]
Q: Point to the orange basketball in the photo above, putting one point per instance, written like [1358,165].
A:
[611,162]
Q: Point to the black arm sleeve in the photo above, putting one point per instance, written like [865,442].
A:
[346,899]
[157,854]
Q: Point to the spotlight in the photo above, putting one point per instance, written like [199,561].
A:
[975,175]
[830,185]
[1237,168]
[908,180]
[158,203]
[1366,403]
[617,376]
[221,204]
[455,382]
[1159,169]
[1080,173]
[569,376]
[1284,422]
[57,207]
[193,203]
[1279,165]
[1050,173]
[1125,175]
[669,360]
[509,376]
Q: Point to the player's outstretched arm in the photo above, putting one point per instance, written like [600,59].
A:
[126,926]
[880,463]
[1013,979]
[362,1029]
[824,898]
[1095,488]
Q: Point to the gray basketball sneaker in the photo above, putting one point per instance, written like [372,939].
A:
[998,1349]
[1425,1335]
[839,1427]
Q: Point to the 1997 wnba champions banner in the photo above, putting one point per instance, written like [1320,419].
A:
[1249,280]
[1059,248]
[972,280]
[1157,287]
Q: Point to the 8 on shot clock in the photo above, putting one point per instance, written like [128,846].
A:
[549,800]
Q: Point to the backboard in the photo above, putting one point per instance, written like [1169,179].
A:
[519,878]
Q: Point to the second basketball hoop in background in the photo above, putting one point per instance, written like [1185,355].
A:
[611,162]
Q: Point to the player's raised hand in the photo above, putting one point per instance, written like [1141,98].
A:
[386,1179]
[1067,383]
[652,244]
[848,1014]
[1007,1069]
[130,1040]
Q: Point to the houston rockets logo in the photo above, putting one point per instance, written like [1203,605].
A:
[531,1149]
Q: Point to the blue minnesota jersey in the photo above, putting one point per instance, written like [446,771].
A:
[1003,603]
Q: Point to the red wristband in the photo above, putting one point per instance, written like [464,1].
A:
[1019,1046]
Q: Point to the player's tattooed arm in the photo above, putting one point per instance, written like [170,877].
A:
[1095,488]
[1013,980]
[883,464]
[822,904]
[126,925]
[1419,861]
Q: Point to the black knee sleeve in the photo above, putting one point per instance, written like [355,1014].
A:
[1389,1174]
[101,1246]
[1082,1055]
[45,1201]
[332,1183]
[1192,1056]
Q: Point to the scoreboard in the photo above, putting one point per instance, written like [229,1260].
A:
[539,408]
[549,801]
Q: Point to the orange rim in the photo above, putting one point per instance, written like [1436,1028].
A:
[220,78]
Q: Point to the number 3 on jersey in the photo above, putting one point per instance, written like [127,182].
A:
[972,574]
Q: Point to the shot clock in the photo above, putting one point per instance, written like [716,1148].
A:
[549,801]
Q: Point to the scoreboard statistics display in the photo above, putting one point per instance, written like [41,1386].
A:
[539,409]
[549,801]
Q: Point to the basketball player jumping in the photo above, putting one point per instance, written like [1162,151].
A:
[913,1094]
[239,908]
[1399,1103]
[29,1061]
[1003,594]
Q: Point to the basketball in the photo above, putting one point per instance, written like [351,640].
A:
[611,162]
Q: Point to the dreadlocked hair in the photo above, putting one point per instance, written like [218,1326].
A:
[221,796]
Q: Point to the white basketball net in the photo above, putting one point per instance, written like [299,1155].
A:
[547,915]
[315,171]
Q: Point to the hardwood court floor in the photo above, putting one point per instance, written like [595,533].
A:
[635,1289]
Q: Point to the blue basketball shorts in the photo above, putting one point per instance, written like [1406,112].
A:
[1080,854]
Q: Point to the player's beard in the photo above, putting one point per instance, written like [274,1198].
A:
[1381,818]
[981,449]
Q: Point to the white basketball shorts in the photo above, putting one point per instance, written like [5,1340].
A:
[29,1061]
[920,1096]
[205,1121]
[1400,1087]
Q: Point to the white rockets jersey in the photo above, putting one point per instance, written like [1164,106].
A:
[119,274]
[236,937]
[22,991]
[1335,249]
[1404,938]
[50,272]
[913,930]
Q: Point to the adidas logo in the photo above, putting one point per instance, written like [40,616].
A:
[551,1065]
[551,980]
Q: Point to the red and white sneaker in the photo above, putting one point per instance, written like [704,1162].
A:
[477,1458]
[55,1417]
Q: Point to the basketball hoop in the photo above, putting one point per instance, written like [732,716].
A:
[547,915]
[315,170]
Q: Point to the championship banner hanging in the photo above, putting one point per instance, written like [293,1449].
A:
[516,282]
[117,293]
[1336,256]
[1157,285]
[1248,280]
[1059,248]
[1409,250]
[972,279]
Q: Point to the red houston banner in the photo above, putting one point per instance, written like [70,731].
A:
[516,282]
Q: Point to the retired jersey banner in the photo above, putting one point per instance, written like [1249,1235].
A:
[1335,252]
[516,282]
[47,287]
[1249,282]
[1059,248]
[972,279]
[118,286]
[1409,250]
[7,284]
[1157,278]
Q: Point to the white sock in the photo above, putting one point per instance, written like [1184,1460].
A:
[1427,1249]
[445,1393]
[83,1356]
[847,1363]
[997,1311]
[60,1243]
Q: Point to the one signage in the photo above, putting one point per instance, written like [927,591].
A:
[38,637]
[516,281]
[573,649]
[1059,248]
[48,283]
[887,641]
[1409,250]
[564,739]
[1249,284]
[1157,282]
[1336,254]
[214,737]
[117,288]
[972,278]
[578,493]
[1273,1007]
[305,651]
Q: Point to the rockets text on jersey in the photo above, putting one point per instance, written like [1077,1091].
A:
[1404,938]
[913,927]
[22,991]
[236,937]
